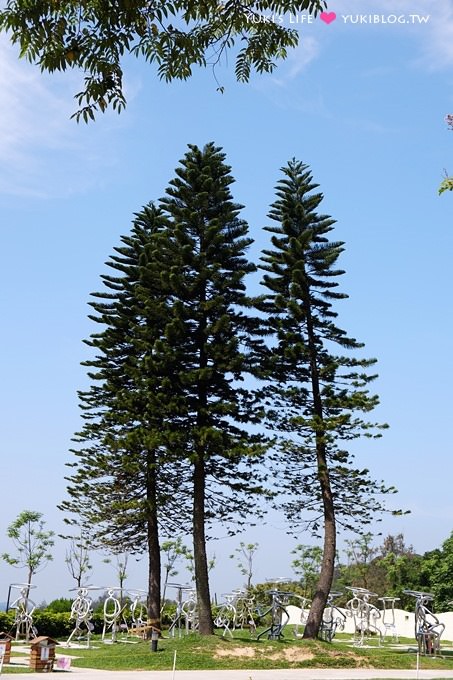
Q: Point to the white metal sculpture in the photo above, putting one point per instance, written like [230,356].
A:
[24,607]
[365,615]
[190,611]
[81,613]
[237,611]
[226,615]
[245,610]
[304,603]
[138,609]
[428,628]
[186,614]
[113,614]
[388,616]
[333,618]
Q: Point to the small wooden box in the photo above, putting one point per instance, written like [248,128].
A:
[5,646]
[42,654]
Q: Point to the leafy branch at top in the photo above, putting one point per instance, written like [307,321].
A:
[447,183]
[176,36]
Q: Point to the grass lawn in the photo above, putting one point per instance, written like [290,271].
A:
[217,652]
[15,669]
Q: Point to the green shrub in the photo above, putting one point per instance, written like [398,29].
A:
[56,625]
[6,621]
[62,604]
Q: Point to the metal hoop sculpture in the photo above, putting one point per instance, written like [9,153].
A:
[139,613]
[365,615]
[428,628]
[388,616]
[113,612]
[81,613]
[24,606]
[190,611]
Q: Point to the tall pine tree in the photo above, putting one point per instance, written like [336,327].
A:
[316,394]
[212,337]
[125,482]
[165,442]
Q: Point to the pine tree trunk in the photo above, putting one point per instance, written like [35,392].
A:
[199,549]
[153,547]
[324,584]
[206,626]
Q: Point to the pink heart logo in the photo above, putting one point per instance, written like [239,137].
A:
[328,17]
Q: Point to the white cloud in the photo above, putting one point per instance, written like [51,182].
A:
[298,59]
[42,151]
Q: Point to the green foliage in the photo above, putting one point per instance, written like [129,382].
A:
[261,594]
[388,570]
[211,333]
[125,450]
[32,543]
[52,623]
[61,604]
[209,336]
[77,557]
[94,37]
[244,559]
[7,621]
[317,389]
[437,573]
[121,452]
[165,414]
[307,565]
[315,394]
[172,552]
[446,185]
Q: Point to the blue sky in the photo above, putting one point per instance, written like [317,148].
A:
[363,104]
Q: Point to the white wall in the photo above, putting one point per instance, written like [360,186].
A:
[404,622]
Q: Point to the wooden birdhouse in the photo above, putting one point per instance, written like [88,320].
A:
[42,654]
[5,646]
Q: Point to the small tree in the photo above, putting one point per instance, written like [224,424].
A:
[32,543]
[120,564]
[307,565]
[244,558]
[172,551]
[77,558]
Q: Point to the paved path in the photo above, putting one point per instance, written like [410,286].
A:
[292,674]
